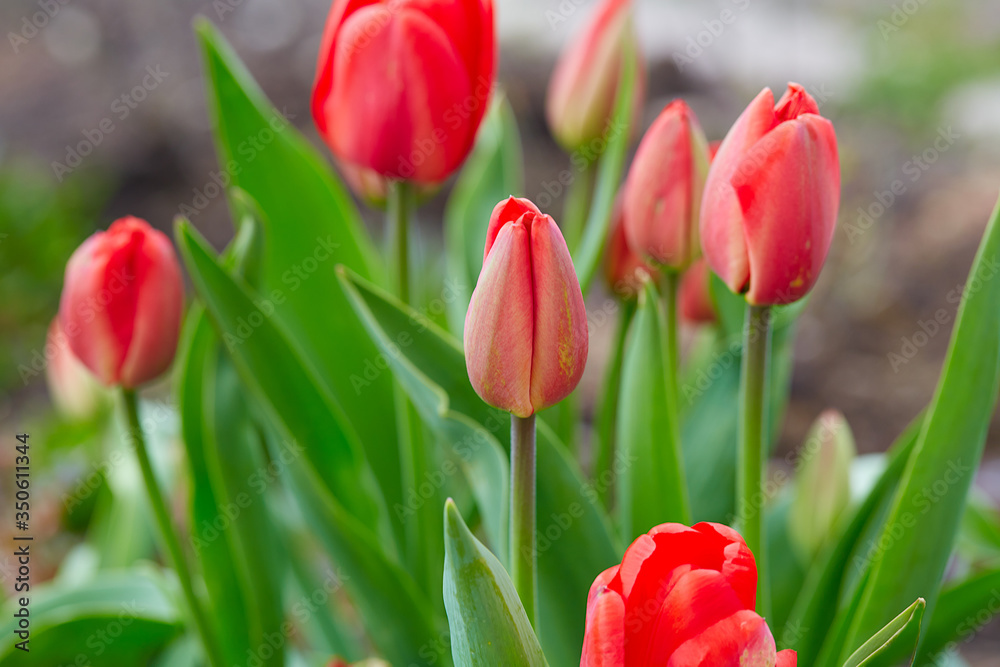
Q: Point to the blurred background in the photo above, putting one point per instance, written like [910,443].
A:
[102,114]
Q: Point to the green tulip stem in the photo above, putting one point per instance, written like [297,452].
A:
[166,530]
[523,554]
[398,208]
[605,458]
[576,207]
[752,457]
[670,286]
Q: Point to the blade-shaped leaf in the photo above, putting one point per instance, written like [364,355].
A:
[493,172]
[575,539]
[120,618]
[904,629]
[283,382]
[920,531]
[311,225]
[487,621]
[651,488]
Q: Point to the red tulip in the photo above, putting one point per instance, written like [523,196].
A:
[122,302]
[402,85]
[696,304]
[771,199]
[526,328]
[682,597]
[582,90]
[664,188]
[623,268]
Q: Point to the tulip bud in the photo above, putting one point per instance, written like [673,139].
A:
[401,87]
[696,305]
[623,268]
[681,596]
[583,88]
[822,482]
[771,199]
[122,302]
[664,188]
[74,390]
[526,328]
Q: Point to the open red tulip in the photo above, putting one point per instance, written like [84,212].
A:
[402,85]
[122,302]
[771,198]
[526,328]
[682,597]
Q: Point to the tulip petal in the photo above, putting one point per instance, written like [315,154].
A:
[699,600]
[499,326]
[400,128]
[722,237]
[604,641]
[795,102]
[740,640]
[509,210]
[739,566]
[602,581]
[560,331]
[787,658]
[789,205]
[157,311]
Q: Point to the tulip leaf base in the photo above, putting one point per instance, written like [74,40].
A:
[488,623]
[523,514]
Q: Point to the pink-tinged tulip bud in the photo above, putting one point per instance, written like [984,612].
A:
[402,85]
[526,328]
[681,596]
[582,90]
[122,302]
[696,305]
[664,188]
[74,390]
[623,268]
[771,199]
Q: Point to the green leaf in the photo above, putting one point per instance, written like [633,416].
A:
[487,621]
[492,173]
[587,256]
[575,538]
[282,382]
[651,488]
[904,629]
[921,529]
[311,225]
[120,618]
[441,397]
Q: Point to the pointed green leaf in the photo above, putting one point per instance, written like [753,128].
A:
[904,629]
[311,225]
[921,529]
[487,621]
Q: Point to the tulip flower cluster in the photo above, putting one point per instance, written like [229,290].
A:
[693,230]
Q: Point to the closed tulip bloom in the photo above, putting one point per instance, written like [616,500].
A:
[664,188]
[526,328]
[682,597]
[402,85]
[771,199]
[122,302]
[696,305]
[582,90]
[623,268]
